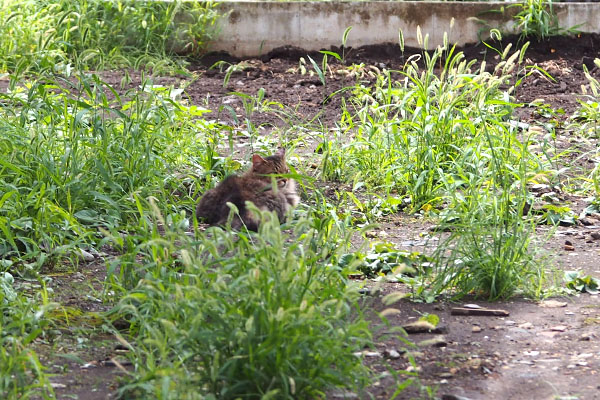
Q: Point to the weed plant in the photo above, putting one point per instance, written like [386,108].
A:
[536,19]
[487,252]
[241,316]
[585,121]
[407,135]
[59,36]
[586,118]
[443,137]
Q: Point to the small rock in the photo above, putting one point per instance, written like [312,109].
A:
[85,255]
[391,354]
[510,323]
[97,253]
[553,304]
[476,329]
[438,341]
[230,99]
[540,188]
[595,235]
[414,354]
[371,354]
[559,328]
[526,325]
[58,385]
[453,397]
[568,247]
[526,362]
[586,221]
[344,395]
[418,327]
[586,337]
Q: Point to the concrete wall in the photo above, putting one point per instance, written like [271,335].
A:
[252,28]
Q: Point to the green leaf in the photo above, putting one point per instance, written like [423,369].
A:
[317,70]
[331,53]
[345,35]
[433,319]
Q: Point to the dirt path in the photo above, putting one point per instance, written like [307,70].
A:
[548,350]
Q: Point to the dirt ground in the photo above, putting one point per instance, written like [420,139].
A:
[539,351]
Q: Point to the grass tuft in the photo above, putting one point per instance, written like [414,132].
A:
[252,316]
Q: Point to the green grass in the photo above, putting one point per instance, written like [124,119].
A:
[446,142]
[488,252]
[249,316]
[536,19]
[57,37]
[75,156]
[78,158]
[408,134]
[22,320]
[585,123]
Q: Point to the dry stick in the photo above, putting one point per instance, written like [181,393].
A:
[478,311]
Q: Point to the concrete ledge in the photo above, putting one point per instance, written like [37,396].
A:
[252,28]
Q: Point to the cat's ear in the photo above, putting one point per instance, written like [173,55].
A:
[257,160]
[280,152]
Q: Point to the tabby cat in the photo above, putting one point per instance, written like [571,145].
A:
[255,185]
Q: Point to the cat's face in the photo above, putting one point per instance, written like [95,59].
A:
[274,164]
